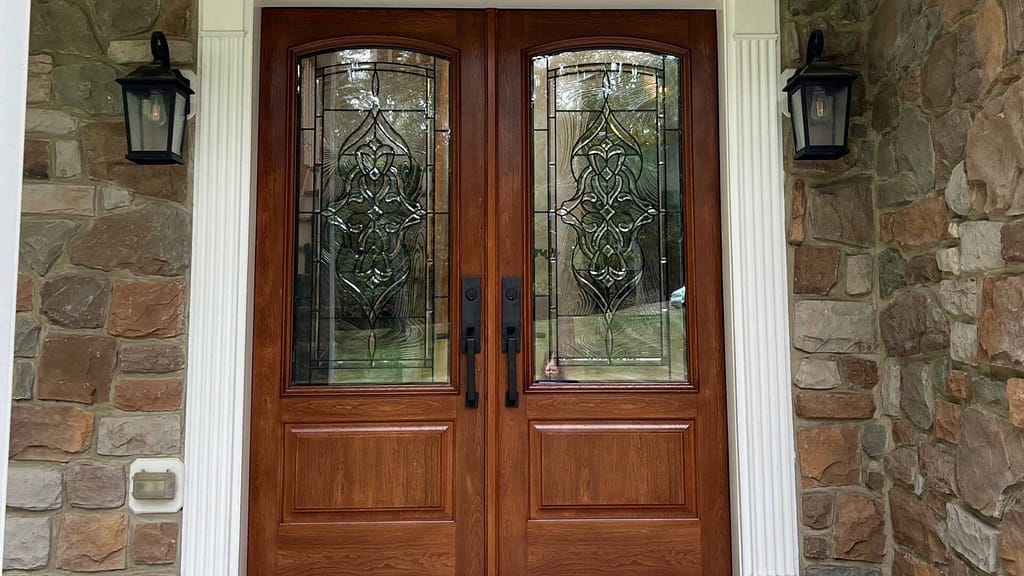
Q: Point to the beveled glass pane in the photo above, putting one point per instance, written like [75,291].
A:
[608,250]
[372,237]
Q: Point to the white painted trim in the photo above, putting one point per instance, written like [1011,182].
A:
[217,404]
[756,295]
[14,30]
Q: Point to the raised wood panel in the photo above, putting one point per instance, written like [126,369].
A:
[366,548]
[612,469]
[351,471]
[620,548]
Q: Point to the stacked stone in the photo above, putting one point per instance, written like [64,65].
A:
[102,290]
[836,350]
[944,149]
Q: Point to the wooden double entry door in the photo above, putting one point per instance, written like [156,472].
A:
[488,329]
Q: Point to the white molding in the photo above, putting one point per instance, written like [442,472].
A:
[217,404]
[14,29]
[762,450]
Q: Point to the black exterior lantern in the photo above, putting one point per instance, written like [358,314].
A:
[156,105]
[819,102]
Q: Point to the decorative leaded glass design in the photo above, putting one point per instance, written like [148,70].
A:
[609,279]
[371,259]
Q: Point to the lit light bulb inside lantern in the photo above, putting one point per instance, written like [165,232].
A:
[821,108]
[155,110]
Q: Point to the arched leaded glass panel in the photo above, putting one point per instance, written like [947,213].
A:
[609,277]
[371,256]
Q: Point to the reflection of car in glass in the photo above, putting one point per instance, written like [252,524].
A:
[678,298]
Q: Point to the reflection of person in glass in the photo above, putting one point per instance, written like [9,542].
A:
[553,372]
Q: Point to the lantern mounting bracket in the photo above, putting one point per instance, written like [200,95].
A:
[815,46]
[160,48]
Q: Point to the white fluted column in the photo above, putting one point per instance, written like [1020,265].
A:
[217,405]
[14,22]
[764,483]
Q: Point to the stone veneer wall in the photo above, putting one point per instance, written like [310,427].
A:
[908,289]
[100,336]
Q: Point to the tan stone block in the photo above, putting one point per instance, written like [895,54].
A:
[95,485]
[148,395]
[859,531]
[829,456]
[67,199]
[1011,542]
[77,368]
[92,543]
[49,432]
[797,232]
[155,543]
[147,309]
[834,406]
[24,303]
[947,421]
[1015,399]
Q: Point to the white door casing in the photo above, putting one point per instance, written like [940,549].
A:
[762,456]
[14,30]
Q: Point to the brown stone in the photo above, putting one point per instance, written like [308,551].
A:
[914,324]
[907,565]
[151,357]
[950,132]
[1001,324]
[815,269]
[77,368]
[954,10]
[1014,24]
[922,224]
[148,395]
[859,531]
[829,456]
[843,213]
[92,543]
[799,208]
[153,240]
[1015,401]
[95,485]
[1011,542]
[1013,241]
[817,548]
[103,150]
[946,423]
[49,432]
[147,309]
[902,465]
[155,543]
[981,46]
[858,372]
[24,303]
[177,18]
[960,385]
[819,406]
[37,159]
[923,269]
[817,509]
[990,459]
[915,526]
[995,154]
[938,466]
[76,301]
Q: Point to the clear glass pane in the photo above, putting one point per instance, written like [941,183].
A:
[609,275]
[372,252]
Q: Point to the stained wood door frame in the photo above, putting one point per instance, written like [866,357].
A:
[756,287]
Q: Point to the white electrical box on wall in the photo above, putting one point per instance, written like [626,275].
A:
[154,485]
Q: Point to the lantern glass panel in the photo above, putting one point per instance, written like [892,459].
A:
[796,109]
[150,118]
[825,106]
[180,115]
